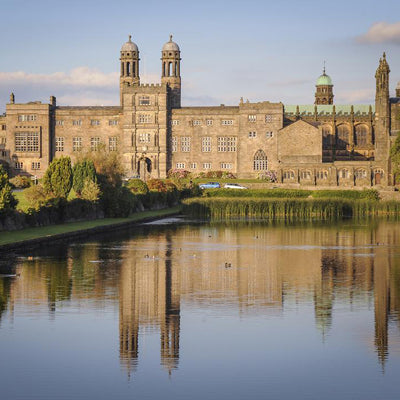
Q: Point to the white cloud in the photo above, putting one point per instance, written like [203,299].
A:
[365,96]
[81,76]
[382,32]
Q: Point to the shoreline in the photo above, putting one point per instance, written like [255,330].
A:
[33,237]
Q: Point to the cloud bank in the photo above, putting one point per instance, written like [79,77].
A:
[382,32]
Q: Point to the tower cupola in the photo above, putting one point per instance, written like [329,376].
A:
[171,71]
[324,89]
[129,57]
[398,89]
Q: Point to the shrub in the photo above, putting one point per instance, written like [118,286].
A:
[137,186]
[269,176]
[90,190]
[20,182]
[228,175]
[157,185]
[82,171]
[58,177]
[7,200]
[178,173]
[368,194]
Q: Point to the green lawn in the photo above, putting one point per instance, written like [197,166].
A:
[22,203]
[35,233]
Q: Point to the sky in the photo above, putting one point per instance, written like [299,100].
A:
[260,50]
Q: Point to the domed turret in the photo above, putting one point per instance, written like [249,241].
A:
[129,57]
[398,89]
[171,71]
[324,92]
[129,46]
[324,79]
[170,45]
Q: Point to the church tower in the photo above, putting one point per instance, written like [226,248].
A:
[129,65]
[171,71]
[324,92]
[382,110]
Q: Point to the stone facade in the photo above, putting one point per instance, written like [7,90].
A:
[321,144]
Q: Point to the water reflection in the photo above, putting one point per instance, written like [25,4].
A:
[155,274]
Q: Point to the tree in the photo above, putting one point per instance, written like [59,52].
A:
[108,164]
[57,179]
[7,200]
[83,170]
[395,158]
[90,190]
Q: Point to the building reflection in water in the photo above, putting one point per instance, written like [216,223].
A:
[150,299]
[251,270]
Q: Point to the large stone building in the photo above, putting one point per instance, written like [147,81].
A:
[320,144]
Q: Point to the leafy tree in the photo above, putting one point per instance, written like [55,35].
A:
[395,158]
[83,170]
[110,171]
[58,177]
[7,200]
[37,196]
[108,164]
[90,190]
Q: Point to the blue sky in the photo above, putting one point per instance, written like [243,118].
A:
[261,50]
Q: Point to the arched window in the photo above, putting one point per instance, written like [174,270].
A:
[322,174]
[128,69]
[305,175]
[361,174]
[361,135]
[344,174]
[288,175]
[170,69]
[342,137]
[260,161]
[327,138]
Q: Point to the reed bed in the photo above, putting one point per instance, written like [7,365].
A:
[266,193]
[295,208]
[370,194]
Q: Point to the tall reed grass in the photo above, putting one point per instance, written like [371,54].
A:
[296,208]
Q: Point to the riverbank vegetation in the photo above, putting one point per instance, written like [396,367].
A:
[294,208]
[92,189]
[288,203]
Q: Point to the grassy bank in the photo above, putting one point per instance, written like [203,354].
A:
[296,208]
[11,237]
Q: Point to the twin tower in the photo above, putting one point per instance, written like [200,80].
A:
[170,68]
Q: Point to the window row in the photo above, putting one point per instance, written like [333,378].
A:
[267,118]
[19,165]
[207,165]
[268,135]
[198,122]
[224,144]
[27,117]
[93,122]
[77,143]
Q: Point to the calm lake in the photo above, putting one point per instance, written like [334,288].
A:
[189,310]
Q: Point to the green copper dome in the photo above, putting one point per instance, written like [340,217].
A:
[324,80]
